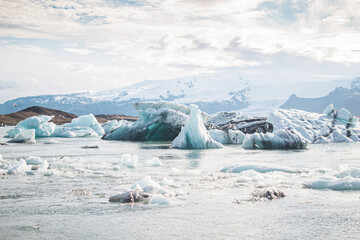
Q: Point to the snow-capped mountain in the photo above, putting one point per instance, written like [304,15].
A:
[341,97]
[212,93]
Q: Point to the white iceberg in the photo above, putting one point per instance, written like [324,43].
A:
[87,121]
[83,126]
[158,121]
[331,126]
[194,135]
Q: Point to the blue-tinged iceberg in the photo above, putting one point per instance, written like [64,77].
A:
[158,121]
[39,126]
[194,134]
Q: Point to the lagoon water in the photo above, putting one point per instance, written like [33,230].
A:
[72,203]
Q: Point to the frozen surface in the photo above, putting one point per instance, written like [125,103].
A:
[194,135]
[70,198]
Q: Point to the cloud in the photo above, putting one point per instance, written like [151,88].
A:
[88,67]
[7,85]
[81,51]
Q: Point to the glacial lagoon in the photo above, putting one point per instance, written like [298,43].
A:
[72,199]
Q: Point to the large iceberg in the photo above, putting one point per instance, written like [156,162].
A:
[330,126]
[194,135]
[158,121]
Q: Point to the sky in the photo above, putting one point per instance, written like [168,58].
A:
[63,46]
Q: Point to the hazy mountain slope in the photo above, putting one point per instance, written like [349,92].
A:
[341,97]
[212,93]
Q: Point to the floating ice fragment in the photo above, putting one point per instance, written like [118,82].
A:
[33,161]
[346,183]
[20,167]
[160,200]
[154,162]
[148,183]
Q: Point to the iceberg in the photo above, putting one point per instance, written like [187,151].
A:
[280,139]
[158,121]
[20,167]
[194,135]
[331,126]
[155,162]
[83,126]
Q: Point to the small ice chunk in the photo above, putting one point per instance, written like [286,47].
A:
[33,161]
[129,160]
[160,200]
[329,110]
[154,162]
[20,167]
[148,184]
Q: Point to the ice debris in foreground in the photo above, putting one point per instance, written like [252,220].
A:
[331,126]
[346,179]
[194,135]
[39,126]
[158,121]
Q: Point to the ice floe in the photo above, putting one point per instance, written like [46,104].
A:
[194,135]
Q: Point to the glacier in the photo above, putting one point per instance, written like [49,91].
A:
[194,134]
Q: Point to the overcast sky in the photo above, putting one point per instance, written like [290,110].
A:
[63,46]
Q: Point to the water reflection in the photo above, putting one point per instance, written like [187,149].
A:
[194,156]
